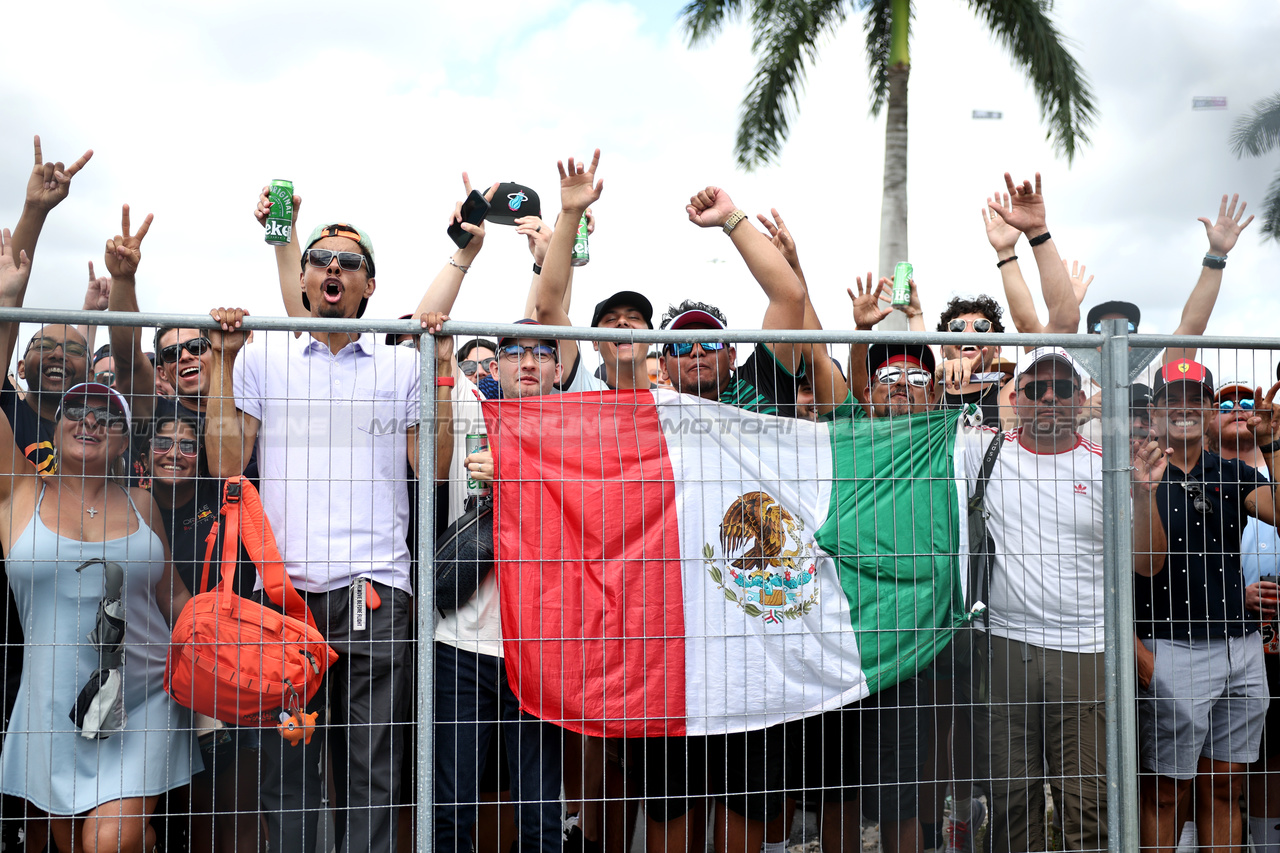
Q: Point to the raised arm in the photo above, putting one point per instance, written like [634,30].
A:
[135,377]
[97,297]
[229,433]
[1222,234]
[1026,213]
[1264,502]
[443,290]
[445,369]
[712,208]
[1150,540]
[539,234]
[579,189]
[870,306]
[47,186]
[288,255]
[14,272]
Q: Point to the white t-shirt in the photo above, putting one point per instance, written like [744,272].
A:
[1046,522]
[332,453]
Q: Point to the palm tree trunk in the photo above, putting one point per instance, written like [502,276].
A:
[893,204]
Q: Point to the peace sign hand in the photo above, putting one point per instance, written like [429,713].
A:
[124,251]
[50,182]
[1263,423]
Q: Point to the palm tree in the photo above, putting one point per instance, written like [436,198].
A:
[785,41]
[1255,135]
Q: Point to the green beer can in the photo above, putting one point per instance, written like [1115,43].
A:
[581,254]
[901,284]
[477,441]
[280,215]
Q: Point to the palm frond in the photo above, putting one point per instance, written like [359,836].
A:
[879,29]
[1258,133]
[1023,27]
[702,19]
[1271,211]
[785,38]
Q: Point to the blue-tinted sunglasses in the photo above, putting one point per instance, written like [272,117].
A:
[1096,328]
[681,350]
[1245,405]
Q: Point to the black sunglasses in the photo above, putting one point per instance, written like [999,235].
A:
[195,346]
[349,261]
[1195,489]
[1063,389]
[982,324]
[470,367]
[188,447]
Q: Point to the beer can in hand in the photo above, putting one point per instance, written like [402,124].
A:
[280,215]
[901,284]
[477,441]
[581,254]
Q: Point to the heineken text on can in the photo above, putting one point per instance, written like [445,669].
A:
[901,284]
[280,215]
[580,252]
[477,441]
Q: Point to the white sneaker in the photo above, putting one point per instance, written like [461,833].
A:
[960,834]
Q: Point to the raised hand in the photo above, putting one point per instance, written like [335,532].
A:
[710,208]
[1263,423]
[13,271]
[1079,284]
[1026,207]
[263,208]
[782,239]
[50,182]
[956,372]
[867,310]
[124,251]
[1002,236]
[433,321]
[476,231]
[539,236]
[579,188]
[98,293]
[1224,232]
[1149,465]
[229,337]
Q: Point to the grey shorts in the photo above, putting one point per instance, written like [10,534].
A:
[1207,698]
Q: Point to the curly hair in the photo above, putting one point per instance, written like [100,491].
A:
[675,311]
[984,305]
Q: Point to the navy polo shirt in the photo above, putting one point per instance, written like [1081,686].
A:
[1200,591]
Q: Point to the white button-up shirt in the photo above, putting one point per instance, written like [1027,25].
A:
[332,454]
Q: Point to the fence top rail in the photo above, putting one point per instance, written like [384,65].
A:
[584,333]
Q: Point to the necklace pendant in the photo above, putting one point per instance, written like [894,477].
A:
[92,512]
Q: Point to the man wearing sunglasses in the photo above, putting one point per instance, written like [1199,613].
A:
[1202,709]
[55,360]
[901,379]
[1043,654]
[333,417]
[478,358]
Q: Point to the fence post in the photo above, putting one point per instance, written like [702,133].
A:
[1117,535]
[424,648]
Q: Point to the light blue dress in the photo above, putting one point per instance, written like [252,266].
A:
[45,759]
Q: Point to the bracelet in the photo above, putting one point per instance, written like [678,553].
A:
[537,268]
[444,381]
[1270,448]
[465,268]
[733,220]
[1036,241]
[1214,262]
[1005,261]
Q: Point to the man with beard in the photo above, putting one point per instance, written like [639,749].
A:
[1201,716]
[333,416]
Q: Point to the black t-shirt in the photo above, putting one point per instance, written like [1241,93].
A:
[188,528]
[988,399]
[761,384]
[1200,591]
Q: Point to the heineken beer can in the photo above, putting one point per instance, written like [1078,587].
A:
[280,214]
[901,284]
[581,255]
[477,441]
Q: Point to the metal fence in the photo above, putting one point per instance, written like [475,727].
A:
[1114,360]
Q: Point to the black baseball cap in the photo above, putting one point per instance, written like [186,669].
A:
[1126,309]
[512,201]
[878,355]
[1139,398]
[629,298]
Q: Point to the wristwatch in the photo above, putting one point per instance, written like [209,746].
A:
[733,220]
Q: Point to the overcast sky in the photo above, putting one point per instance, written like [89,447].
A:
[374,111]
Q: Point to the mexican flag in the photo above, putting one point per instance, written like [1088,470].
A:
[673,566]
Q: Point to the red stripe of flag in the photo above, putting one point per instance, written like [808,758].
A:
[587,542]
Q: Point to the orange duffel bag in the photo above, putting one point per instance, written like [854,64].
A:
[231,658]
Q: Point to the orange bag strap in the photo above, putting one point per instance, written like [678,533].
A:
[247,522]
[209,542]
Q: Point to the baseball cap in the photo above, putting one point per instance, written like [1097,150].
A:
[1125,309]
[629,298]
[512,201]
[351,232]
[114,398]
[1234,384]
[525,321]
[1139,397]
[878,355]
[391,336]
[1041,354]
[1183,370]
[688,318]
